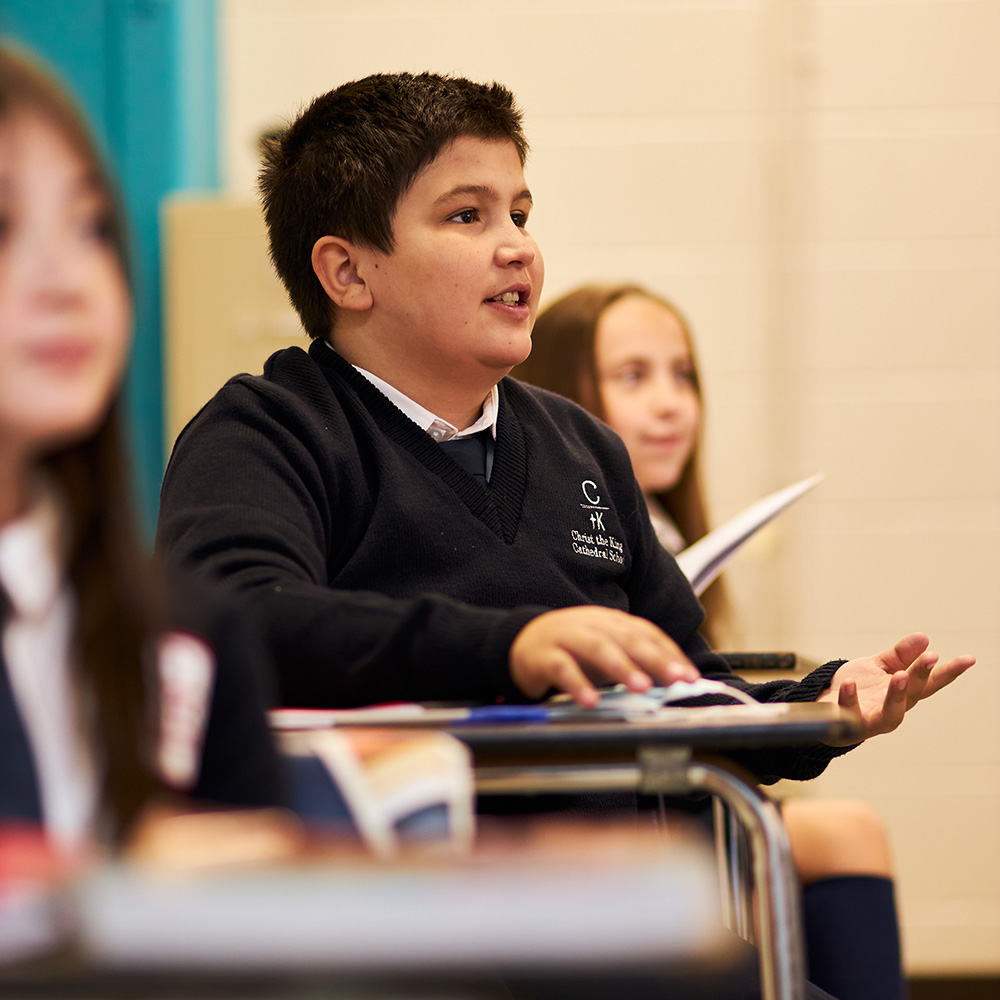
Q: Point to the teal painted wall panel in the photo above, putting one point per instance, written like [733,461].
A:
[196,109]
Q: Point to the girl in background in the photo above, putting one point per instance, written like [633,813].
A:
[115,690]
[626,355]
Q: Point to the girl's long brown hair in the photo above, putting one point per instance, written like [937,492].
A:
[118,606]
[562,360]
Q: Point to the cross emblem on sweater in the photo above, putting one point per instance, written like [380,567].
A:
[598,543]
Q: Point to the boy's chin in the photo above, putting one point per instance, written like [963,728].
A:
[514,353]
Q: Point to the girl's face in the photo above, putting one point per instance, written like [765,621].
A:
[65,311]
[645,377]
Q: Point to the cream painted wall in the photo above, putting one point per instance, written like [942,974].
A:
[818,185]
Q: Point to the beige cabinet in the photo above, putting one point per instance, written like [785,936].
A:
[225,310]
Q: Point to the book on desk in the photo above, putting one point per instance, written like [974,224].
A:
[404,788]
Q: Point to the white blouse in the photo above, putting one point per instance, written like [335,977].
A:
[36,647]
[666,531]
[36,650]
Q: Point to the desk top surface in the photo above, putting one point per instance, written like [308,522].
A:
[725,727]
[721,728]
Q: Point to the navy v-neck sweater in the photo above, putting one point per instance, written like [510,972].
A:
[381,571]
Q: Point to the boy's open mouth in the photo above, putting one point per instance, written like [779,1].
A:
[507,298]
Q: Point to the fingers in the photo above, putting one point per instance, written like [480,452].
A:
[615,647]
[894,705]
[884,715]
[564,674]
[882,688]
[944,673]
[651,653]
[607,659]
[918,674]
[904,652]
[571,648]
[926,676]
[847,697]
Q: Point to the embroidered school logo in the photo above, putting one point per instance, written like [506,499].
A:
[593,499]
[597,543]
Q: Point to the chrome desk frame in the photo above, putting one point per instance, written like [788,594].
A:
[664,763]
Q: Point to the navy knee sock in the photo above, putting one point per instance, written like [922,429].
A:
[852,938]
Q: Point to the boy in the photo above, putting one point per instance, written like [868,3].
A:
[327,492]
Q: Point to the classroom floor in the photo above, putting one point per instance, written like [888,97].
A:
[955,989]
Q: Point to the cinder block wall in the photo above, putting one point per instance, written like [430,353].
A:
[818,185]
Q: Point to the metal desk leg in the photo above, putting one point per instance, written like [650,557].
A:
[670,770]
[732,852]
[782,968]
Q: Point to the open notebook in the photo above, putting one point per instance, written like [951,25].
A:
[703,561]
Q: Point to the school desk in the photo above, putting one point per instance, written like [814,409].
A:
[527,751]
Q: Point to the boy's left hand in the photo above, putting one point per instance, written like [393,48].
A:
[883,688]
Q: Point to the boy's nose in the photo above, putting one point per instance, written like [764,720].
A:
[517,248]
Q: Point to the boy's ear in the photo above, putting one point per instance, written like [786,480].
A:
[335,262]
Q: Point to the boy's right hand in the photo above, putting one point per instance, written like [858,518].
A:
[571,648]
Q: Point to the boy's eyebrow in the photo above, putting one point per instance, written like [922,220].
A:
[480,189]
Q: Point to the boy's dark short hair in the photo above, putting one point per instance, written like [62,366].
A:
[341,167]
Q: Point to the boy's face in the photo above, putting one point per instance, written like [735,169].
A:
[458,295]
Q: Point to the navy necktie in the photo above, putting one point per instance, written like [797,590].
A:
[469,453]
[19,793]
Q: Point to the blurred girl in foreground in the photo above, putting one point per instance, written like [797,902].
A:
[114,691]
[626,355]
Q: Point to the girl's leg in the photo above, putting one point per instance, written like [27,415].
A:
[841,853]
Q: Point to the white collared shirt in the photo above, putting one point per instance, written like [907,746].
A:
[437,427]
[36,644]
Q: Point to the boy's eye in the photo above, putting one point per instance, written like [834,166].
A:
[520,219]
[466,216]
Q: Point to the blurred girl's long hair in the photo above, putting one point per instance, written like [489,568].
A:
[117,604]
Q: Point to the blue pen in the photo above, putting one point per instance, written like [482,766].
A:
[486,714]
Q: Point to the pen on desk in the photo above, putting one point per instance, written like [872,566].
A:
[486,714]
